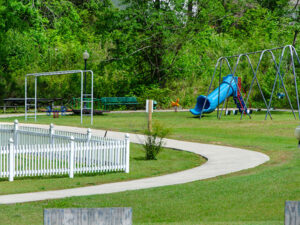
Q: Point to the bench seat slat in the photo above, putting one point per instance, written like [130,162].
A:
[106,101]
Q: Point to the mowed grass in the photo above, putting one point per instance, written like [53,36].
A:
[251,197]
[169,161]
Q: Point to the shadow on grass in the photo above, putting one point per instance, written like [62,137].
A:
[45,177]
[140,158]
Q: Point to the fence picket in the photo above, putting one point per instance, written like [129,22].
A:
[40,152]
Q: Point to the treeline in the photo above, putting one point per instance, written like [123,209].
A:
[150,49]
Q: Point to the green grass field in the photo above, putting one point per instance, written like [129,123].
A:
[170,161]
[251,197]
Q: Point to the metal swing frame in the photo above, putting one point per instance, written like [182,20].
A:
[277,66]
[83,96]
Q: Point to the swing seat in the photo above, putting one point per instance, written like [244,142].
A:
[280,95]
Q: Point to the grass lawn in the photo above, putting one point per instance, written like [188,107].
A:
[169,161]
[251,197]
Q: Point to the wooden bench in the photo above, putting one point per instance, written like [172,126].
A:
[109,101]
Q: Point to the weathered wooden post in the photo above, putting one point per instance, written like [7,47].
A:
[149,109]
[88,216]
[292,213]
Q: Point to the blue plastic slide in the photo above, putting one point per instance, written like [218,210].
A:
[212,99]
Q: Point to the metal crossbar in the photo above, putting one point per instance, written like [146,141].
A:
[219,64]
[36,75]
[57,73]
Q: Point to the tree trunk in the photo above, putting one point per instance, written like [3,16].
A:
[157,4]
[295,37]
[190,8]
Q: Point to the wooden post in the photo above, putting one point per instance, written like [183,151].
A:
[292,213]
[150,108]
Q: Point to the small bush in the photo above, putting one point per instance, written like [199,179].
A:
[154,140]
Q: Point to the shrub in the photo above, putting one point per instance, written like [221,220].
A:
[154,140]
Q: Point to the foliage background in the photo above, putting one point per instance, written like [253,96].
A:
[149,49]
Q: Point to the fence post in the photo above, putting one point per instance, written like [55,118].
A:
[88,135]
[16,132]
[127,143]
[51,133]
[71,160]
[11,160]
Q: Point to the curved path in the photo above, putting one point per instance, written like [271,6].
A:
[220,160]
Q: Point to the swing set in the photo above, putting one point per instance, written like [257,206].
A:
[234,79]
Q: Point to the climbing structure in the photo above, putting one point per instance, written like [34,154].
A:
[242,103]
[238,100]
[220,94]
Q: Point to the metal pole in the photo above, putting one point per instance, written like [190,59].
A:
[229,67]
[219,88]
[238,89]
[252,83]
[250,53]
[35,97]
[279,74]
[85,76]
[81,97]
[229,85]
[282,83]
[25,98]
[212,79]
[84,90]
[92,96]
[295,79]
[296,53]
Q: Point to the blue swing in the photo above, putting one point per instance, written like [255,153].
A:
[280,95]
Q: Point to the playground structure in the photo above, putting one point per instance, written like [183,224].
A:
[175,105]
[85,98]
[212,98]
[231,84]
[62,110]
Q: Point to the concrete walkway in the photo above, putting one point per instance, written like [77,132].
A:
[220,160]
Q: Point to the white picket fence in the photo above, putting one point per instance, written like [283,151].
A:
[46,152]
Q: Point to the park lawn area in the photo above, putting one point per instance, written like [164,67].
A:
[170,161]
[251,197]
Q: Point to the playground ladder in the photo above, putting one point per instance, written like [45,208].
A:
[238,99]
[87,105]
[87,99]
